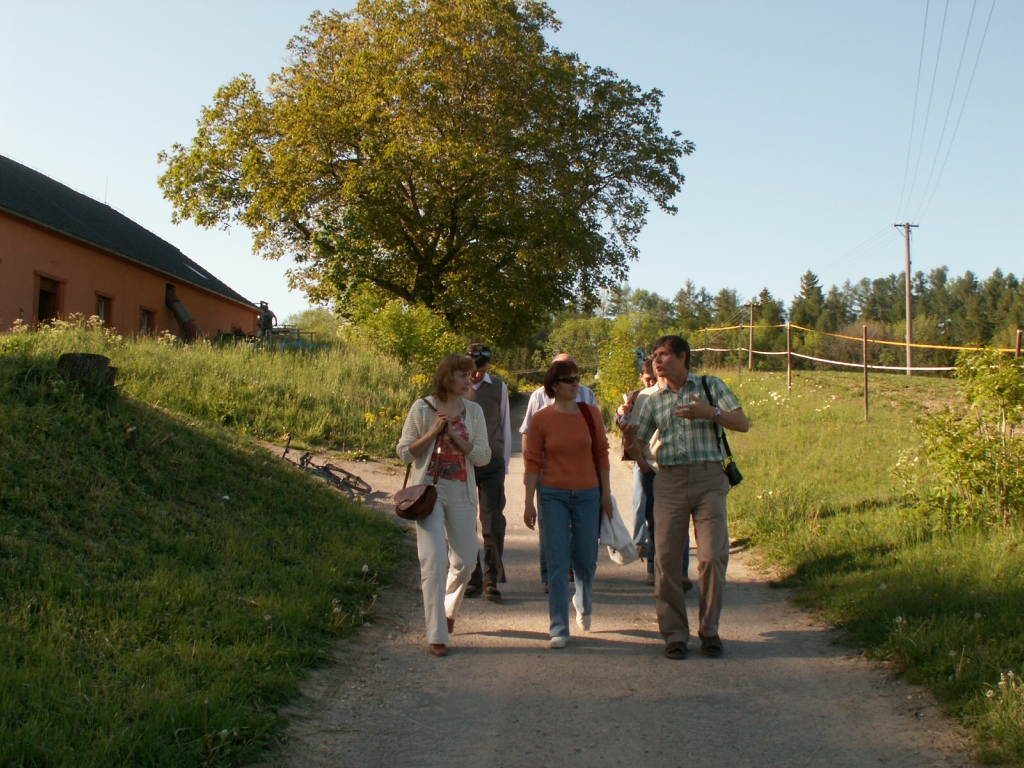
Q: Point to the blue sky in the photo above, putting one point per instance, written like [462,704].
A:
[801,112]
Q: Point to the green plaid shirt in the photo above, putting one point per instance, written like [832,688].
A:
[684,441]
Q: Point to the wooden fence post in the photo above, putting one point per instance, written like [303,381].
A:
[750,346]
[865,351]
[1017,351]
[789,357]
[739,350]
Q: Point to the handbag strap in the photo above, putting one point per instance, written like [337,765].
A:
[589,418]
[722,439]
[436,448]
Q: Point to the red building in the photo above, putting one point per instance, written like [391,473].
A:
[63,253]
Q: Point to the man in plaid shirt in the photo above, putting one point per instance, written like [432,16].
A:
[691,482]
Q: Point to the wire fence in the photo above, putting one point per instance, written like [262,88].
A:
[866,343]
[715,351]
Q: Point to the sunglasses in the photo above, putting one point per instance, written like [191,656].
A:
[569,380]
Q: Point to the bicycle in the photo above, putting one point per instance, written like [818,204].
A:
[338,478]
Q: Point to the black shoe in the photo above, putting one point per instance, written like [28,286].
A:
[491,593]
[473,590]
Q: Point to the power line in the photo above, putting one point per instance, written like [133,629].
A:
[964,104]
[913,117]
[949,107]
[928,110]
[865,248]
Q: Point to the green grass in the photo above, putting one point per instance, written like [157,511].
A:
[159,603]
[819,499]
[333,396]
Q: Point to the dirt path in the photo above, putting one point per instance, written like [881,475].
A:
[783,694]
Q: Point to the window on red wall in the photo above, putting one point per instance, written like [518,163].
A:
[147,321]
[104,306]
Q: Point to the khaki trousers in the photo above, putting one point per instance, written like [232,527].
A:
[683,491]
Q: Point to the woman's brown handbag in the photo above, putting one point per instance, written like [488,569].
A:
[417,501]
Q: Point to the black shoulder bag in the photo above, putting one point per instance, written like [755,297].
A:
[731,470]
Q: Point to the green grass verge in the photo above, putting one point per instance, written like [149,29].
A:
[819,499]
[158,603]
[335,396]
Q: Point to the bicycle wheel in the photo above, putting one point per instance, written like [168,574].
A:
[328,477]
[354,482]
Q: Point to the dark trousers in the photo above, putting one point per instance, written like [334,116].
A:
[490,482]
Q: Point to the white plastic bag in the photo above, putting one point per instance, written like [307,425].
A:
[615,536]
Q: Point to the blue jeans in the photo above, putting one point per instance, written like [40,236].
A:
[571,525]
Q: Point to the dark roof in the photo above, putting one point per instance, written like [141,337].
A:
[31,196]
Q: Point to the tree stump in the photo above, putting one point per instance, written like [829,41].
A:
[87,368]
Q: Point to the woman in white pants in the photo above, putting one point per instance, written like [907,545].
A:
[444,427]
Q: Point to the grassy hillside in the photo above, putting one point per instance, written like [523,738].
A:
[159,601]
[820,500]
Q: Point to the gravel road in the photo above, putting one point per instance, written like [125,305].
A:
[785,692]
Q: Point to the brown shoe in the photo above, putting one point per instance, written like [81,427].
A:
[675,651]
[491,593]
[451,623]
[712,646]
[439,649]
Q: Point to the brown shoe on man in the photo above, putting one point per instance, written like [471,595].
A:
[712,646]
[439,649]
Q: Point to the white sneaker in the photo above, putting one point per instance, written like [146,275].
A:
[583,620]
[558,642]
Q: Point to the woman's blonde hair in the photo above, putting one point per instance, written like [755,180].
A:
[448,366]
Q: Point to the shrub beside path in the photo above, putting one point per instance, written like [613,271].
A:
[785,692]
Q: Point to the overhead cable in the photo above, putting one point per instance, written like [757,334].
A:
[927,112]
[959,116]
[913,117]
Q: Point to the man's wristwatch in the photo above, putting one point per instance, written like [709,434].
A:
[718,414]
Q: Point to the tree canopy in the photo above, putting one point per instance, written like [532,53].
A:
[441,153]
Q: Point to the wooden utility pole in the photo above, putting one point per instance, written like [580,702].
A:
[910,310]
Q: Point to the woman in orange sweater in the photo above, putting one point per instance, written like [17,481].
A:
[572,493]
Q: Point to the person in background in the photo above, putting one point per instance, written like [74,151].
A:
[447,433]
[691,482]
[574,493]
[491,394]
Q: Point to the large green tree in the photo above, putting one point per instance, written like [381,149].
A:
[441,153]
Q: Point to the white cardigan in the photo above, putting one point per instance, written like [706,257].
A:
[421,419]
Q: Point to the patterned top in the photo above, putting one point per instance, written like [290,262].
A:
[453,461]
[684,441]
